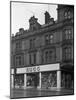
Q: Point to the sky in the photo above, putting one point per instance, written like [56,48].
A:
[21,13]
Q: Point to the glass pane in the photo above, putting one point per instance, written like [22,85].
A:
[51,38]
[69,14]
[65,14]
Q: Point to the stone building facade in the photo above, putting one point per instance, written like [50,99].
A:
[43,55]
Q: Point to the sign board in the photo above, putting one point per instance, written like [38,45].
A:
[41,68]
[50,67]
[28,69]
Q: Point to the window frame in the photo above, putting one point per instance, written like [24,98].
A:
[18,45]
[32,58]
[67,53]
[67,14]
[67,34]
[32,43]
[19,60]
[49,40]
[49,55]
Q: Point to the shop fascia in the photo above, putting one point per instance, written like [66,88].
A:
[41,68]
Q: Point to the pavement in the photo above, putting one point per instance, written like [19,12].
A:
[34,92]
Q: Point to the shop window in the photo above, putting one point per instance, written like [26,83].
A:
[19,80]
[49,79]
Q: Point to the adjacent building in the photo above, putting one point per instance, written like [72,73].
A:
[43,55]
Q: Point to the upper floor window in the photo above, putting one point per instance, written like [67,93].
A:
[32,58]
[49,56]
[32,43]
[49,39]
[67,53]
[19,60]
[18,45]
[68,34]
[67,14]
[30,61]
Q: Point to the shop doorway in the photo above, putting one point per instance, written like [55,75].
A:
[33,80]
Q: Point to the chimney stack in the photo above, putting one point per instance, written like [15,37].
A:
[21,30]
[48,18]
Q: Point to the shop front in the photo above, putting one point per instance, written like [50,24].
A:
[44,76]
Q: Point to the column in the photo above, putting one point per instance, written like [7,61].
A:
[25,80]
[58,80]
[40,80]
[12,81]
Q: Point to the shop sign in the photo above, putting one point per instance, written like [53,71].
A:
[42,68]
[32,69]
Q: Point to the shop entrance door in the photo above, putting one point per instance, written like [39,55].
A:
[33,80]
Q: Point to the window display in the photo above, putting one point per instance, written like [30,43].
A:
[49,79]
[19,81]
